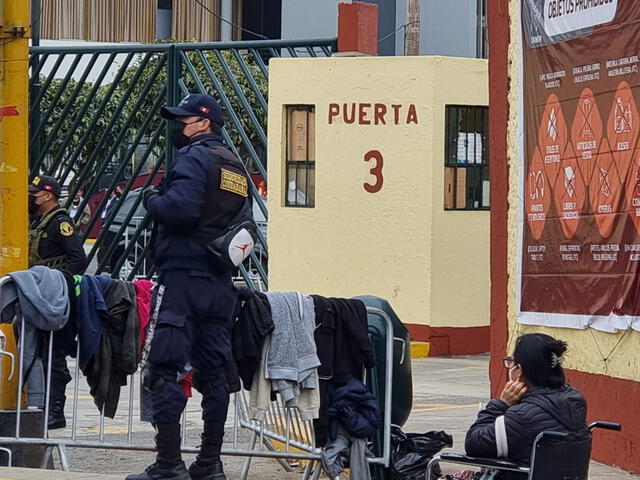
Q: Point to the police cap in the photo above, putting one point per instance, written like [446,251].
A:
[199,104]
[43,183]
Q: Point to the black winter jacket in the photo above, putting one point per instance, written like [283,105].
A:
[563,410]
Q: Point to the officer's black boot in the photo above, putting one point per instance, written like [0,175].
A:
[56,412]
[168,464]
[208,465]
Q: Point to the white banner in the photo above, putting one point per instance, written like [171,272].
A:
[565,16]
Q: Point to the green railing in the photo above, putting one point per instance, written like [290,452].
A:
[94,125]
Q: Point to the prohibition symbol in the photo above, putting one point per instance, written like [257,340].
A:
[586,133]
[624,117]
[552,128]
[605,191]
[622,127]
[537,195]
[552,137]
[586,106]
[569,194]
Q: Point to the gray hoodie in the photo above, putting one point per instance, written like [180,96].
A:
[292,360]
[42,294]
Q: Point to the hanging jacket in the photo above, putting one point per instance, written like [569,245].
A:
[292,360]
[118,352]
[143,303]
[43,298]
[342,338]
[343,344]
[559,409]
[354,408]
[253,322]
[91,315]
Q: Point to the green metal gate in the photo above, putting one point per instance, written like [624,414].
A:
[94,125]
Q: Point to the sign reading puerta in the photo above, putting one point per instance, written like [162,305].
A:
[580,160]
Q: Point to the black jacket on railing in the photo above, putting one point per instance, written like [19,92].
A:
[541,409]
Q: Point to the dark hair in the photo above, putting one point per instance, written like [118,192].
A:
[539,357]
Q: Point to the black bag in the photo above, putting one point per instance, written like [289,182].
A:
[235,245]
[411,452]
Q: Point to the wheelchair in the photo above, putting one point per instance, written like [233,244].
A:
[554,456]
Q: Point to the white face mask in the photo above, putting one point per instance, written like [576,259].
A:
[511,370]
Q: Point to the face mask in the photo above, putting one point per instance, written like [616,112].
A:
[33,206]
[76,201]
[178,138]
[117,194]
[511,370]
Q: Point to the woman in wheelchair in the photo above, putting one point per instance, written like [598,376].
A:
[535,399]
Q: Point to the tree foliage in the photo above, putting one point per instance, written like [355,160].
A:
[88,128]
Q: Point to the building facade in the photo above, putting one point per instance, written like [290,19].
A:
[378,185]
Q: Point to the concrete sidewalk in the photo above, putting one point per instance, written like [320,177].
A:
[32,474]
[447,394]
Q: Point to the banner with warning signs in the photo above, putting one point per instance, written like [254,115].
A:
[580,165]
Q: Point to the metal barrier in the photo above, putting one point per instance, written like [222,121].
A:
[94,122]
[281,425]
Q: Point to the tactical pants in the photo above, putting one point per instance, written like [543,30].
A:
[195,311]
[60,375]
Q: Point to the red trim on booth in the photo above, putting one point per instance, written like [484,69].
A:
[451,340]
[614,400]
[499,36]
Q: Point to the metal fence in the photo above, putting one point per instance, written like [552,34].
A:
[94,125]
[281,436]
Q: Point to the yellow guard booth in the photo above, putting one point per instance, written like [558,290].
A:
[378,184]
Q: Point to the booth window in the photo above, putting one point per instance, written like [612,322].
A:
[300,185]
[466,164]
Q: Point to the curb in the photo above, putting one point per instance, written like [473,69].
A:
[420,349]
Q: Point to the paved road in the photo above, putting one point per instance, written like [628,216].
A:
[447,393]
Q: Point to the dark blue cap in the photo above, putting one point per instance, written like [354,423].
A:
[43,183]
[199,104]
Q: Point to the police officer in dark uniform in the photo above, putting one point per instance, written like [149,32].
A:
[195,296]
[54,243]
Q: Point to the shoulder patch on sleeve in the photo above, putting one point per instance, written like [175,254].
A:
[66,229]
[233,182]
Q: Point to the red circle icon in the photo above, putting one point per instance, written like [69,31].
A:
[622,127]
[552,137]
[537,195]
[586,133]
[569,193]
[605,190]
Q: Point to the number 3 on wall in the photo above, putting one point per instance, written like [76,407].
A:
[376,171]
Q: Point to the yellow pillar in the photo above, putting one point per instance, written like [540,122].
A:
[14,159]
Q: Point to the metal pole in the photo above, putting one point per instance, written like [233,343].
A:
[14,63]
[412,39]
[36,86]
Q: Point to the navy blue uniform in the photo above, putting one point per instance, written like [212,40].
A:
[198,298]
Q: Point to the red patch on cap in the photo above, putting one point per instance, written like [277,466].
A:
[47,187]
[204,109]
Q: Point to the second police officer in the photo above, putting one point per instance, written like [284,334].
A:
[54,243]
[195,297]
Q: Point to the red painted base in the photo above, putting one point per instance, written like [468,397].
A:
[451,340]
[615,400]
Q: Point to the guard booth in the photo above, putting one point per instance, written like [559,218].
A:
[379,184]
